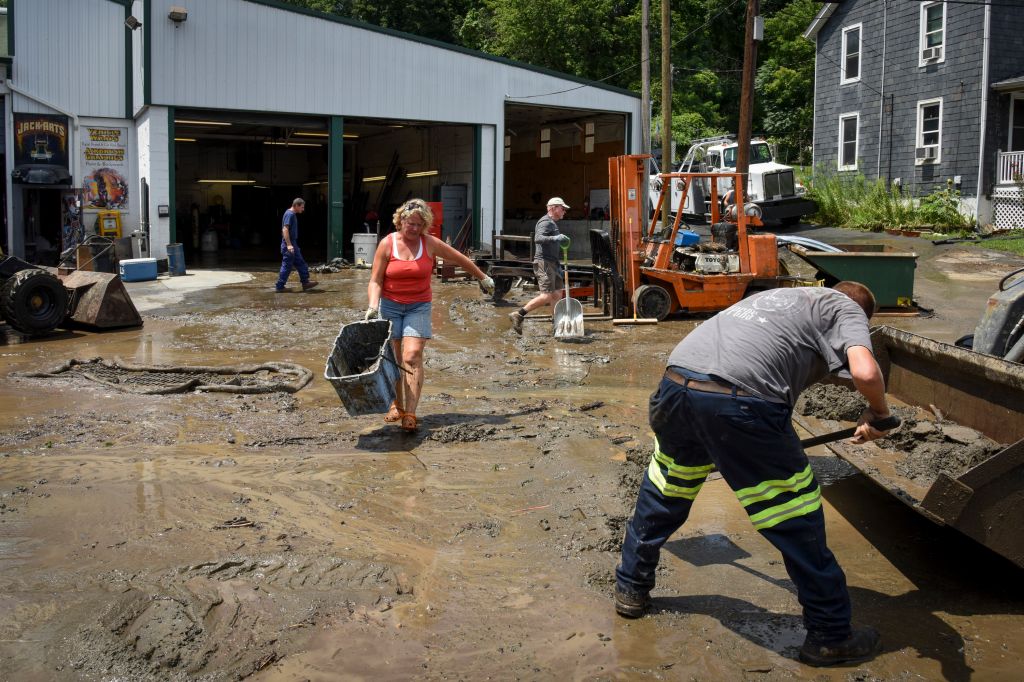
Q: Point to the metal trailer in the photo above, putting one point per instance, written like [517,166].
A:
[505,272]
[981,392]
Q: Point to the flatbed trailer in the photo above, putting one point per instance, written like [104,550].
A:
[505,272]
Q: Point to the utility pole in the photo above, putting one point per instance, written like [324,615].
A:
[753,34]
[645,97]
[645,77]
[666,101]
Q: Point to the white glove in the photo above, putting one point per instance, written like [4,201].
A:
[564,239]
[487,284]
[371,314]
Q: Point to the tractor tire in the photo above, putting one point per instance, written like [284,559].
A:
[33,301]
[651,300]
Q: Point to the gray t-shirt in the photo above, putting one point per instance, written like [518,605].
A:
[547,239]
[776,343]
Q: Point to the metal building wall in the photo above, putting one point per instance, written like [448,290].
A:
[239,54]
[70,53]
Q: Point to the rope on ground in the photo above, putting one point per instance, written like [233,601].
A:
[168,379]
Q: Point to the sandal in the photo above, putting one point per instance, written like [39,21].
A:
[394,414]
[409,422]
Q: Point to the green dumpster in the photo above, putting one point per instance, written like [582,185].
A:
[887,272]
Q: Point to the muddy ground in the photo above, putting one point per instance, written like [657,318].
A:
[273,537]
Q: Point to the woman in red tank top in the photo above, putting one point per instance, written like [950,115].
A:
[399,291]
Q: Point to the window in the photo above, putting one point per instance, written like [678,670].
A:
[929,131]
[760,153]
[851,54]
[588,138]
[848,127]
[1016,142]
[933,33]
[729,156]
[545,143]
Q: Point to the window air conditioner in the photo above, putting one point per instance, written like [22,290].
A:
[931,54]
[929,153]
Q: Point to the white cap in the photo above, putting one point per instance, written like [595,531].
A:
[557,201]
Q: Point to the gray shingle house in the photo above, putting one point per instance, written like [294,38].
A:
[921,93]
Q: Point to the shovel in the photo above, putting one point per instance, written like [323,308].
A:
[890,422]
[568,314]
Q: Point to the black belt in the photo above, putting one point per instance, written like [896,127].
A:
[705,386]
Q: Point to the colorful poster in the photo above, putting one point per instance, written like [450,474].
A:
[105,167]
[72,230]
[40,139]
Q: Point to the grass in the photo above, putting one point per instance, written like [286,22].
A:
[1014,245]
[856,202]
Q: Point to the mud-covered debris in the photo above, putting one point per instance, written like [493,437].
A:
[932,446]
[463,433]
[235,522]
[831,401]
[489,527]
[591,406]
[333,265]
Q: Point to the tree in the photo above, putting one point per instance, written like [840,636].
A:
[438,19]
[593,39]
[785,79]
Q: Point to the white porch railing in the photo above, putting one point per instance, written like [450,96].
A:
[1008,165]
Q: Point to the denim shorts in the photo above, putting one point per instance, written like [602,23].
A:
[407,319]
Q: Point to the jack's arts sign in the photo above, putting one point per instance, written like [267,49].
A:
[40,139]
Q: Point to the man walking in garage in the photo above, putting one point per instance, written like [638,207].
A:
[291,255]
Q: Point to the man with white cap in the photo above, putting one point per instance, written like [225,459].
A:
[545,262]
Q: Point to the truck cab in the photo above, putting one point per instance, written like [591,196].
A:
[771,186]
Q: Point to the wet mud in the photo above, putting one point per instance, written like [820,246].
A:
[273,537]
[930,443]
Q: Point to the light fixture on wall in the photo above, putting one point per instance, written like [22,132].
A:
[421,174]
[184,139]
[375,178]
[225,182]
[132,23]
[177,14]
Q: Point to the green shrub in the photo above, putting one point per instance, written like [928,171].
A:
[847,200]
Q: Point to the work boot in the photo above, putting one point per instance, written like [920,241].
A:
[861,645]
[280,290]
[517,322]
[306,286]
[631,604]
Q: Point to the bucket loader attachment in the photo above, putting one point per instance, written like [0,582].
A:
[99,300]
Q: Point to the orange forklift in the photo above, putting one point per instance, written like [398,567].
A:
[647,272]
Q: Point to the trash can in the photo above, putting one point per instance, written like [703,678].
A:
[363,246]
[175,260]
[209,242]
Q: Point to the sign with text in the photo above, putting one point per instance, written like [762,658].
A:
[105,167]
[40,139]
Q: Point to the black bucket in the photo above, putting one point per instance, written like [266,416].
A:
[362,367]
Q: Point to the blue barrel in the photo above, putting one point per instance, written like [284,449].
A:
[175,260]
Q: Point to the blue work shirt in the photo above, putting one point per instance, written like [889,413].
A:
[291,221]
